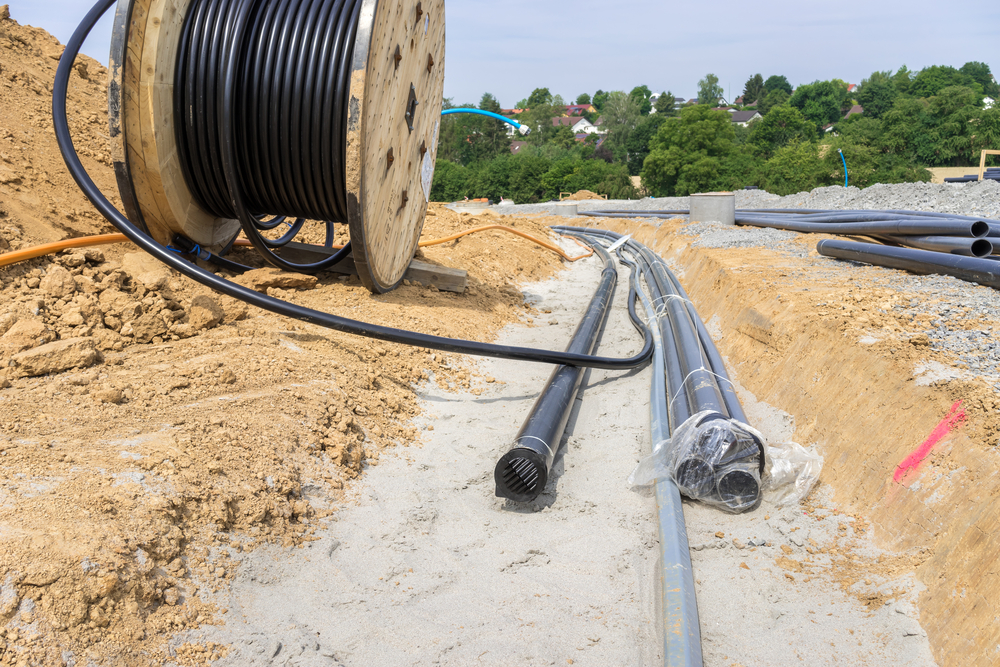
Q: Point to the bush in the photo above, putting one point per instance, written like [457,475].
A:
[450,181]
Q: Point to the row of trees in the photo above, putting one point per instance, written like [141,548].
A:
[911,120]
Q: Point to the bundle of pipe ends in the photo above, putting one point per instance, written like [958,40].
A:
[923,242]
[698,427]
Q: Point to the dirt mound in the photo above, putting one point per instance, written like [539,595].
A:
[176,428]
[582,195]
[39,202]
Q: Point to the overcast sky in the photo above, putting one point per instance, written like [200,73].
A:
[510,48]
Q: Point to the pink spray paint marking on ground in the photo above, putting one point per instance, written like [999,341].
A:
[952,420]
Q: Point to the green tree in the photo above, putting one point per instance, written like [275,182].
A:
[821,102]
[637,145]
[877,97]
[621,116]
[784,125]
[666,104]
[903,80]
[862,130]
[563,138]
[600,97]
[709,90]
[569,175]
[795,168]
[583,99]
[774,98]
[981,74]
[986,131]
[685,155]
[539,97]
[754,90]
[777,82]
[641,95]
[866,165]
[932,80]
[526,178]
[738,169]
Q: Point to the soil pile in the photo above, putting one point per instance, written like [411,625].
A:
[39,202]
[582,195]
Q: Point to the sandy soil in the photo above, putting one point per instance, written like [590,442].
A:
[423,565]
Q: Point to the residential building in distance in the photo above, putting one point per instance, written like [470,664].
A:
[744,118]
[578,124]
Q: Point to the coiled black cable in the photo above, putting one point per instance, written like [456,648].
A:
[261,102]
[145,242]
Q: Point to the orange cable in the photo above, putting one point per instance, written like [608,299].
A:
[554,248]
[106,239]
[49,248]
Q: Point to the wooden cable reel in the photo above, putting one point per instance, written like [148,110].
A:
[393,120]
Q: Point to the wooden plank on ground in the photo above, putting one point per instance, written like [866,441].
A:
[441,277]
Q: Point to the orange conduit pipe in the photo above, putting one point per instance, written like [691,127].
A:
[107,239]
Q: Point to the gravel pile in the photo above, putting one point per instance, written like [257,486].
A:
[977,198]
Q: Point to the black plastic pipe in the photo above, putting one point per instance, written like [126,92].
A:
[521,473]
[982,271]
[254,298]
[905,227]
[715,466]
[955,245]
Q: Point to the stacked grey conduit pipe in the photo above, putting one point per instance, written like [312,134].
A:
[922,242]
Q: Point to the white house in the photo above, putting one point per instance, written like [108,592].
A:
[577,124]
[744,118]
[988,102]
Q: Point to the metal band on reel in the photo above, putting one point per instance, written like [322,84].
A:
[392,120]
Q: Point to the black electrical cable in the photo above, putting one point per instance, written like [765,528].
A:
[219,284]
[261,108]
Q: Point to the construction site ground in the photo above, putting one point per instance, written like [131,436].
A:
[187,480]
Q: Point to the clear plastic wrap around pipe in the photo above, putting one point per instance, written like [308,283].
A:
[710,458]
[717,460]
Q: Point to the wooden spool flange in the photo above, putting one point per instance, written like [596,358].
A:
[394,110]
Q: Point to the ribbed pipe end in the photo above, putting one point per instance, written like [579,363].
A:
[520,475]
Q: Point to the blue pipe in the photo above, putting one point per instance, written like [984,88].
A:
[521,127]
[845,165]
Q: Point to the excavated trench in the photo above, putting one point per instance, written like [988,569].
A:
[908,435]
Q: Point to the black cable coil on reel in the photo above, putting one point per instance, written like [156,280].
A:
[272,75]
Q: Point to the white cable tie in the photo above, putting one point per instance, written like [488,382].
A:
[523,437]
[619,243]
